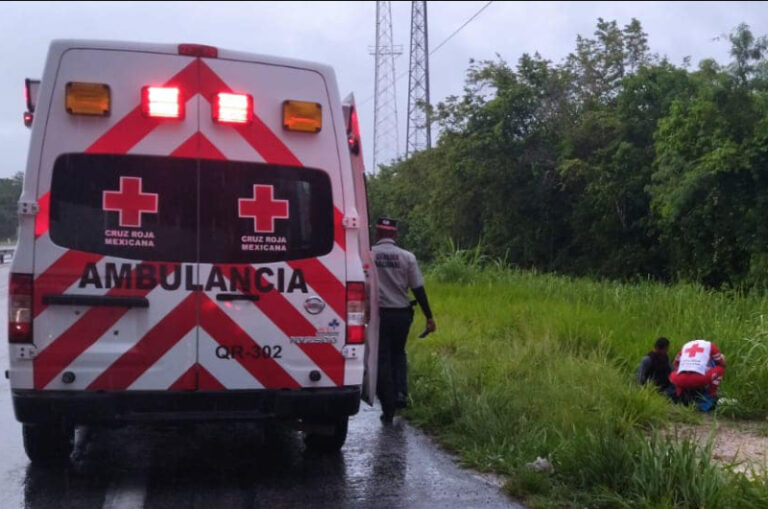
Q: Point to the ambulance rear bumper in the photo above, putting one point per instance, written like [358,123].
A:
[37,407]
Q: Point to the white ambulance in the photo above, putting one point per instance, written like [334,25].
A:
[193,245]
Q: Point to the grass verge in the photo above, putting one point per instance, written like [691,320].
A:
[528,365]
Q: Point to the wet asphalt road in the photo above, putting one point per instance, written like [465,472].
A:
[236,466]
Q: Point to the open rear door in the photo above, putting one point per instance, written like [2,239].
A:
[361,203]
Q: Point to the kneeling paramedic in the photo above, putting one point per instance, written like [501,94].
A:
[398,271]
[698,366]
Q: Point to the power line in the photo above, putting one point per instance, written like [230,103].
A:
[460,28]
[455,32]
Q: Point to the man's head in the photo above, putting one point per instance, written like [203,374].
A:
[386,228]
[662,345]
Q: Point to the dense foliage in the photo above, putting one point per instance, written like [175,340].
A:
[10,190]
[614,163]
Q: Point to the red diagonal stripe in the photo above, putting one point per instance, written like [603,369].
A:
[187,381]
[291,322]
[198,145]
[125,134]
[79,336]
[322,280]
[147,351]
[256,134]
[288,319]
[208,150]
[264,141]
[133,127]
[228,333]
[327,358]
[208,382]
[188,148]
[62,274]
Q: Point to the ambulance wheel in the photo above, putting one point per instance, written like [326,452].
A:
[48,444]
[324,442]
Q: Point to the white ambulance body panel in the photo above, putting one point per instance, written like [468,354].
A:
[188,255]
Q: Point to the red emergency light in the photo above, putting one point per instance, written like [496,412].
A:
[230,108]
[353,132]
[162,102]
[198,50]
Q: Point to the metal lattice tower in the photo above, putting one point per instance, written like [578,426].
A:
[386,141]
[418,135]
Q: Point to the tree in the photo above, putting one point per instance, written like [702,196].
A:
[614,163]
[10,191]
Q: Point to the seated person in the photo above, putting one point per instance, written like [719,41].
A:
[655,367]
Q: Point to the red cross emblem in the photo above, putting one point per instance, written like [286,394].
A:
[130,202]
[263,209]
[693,350]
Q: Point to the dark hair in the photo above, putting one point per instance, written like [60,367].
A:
[662,343]
[383,233]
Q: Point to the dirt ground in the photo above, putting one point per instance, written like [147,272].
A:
[743,445]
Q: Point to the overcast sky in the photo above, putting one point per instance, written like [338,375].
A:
[339,34]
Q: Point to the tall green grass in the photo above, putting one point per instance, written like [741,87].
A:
[526,365]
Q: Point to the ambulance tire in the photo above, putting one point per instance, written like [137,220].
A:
[328,443]
[48,444]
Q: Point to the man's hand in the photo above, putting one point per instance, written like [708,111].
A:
[431,327]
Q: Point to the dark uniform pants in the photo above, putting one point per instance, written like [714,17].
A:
[394,325]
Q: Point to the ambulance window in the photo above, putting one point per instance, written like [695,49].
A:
[258,213]
[136,207]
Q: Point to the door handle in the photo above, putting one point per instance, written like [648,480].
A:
[228,297]
[95,300]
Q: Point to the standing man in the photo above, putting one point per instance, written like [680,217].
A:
[698,365]
[398,271]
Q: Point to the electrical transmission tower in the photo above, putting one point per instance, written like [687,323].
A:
[418,135]
[385,136]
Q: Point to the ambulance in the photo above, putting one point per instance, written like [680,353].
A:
[193,245]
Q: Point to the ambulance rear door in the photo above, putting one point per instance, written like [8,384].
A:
[115,258]
[357,161]
[272,247]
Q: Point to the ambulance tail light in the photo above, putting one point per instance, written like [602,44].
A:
[20,309]
[162,102]
[232,108]
[356,303]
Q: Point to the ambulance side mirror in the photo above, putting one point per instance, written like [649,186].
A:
[31,87]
